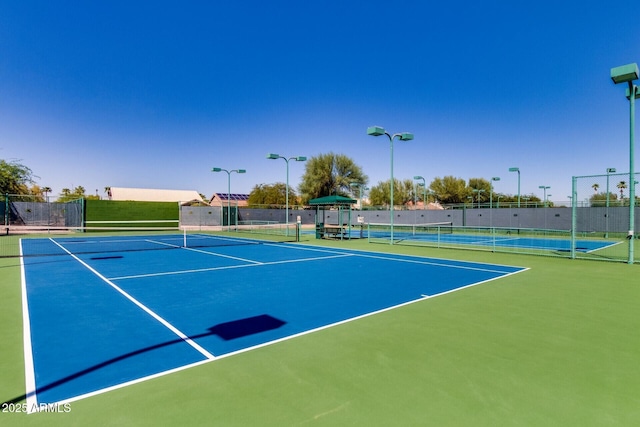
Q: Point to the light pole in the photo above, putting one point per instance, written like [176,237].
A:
[404,136]
[477,190]
[424,188]
[494,178]
[517,170]
[606,232]
[273,156]
[229,193]
[356,185]
[627,74]
[425,194]
[544,189]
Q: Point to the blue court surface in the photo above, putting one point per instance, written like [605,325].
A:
[97,321]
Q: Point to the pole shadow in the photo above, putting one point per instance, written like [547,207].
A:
[227,331]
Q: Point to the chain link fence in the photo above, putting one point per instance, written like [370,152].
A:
[601,209]
[24,210]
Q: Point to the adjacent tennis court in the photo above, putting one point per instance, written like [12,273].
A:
[445,234]
[102,312]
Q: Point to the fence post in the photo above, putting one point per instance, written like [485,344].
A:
[6,209]
[574,215]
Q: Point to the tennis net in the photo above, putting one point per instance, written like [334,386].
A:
[425,231]
[40,241]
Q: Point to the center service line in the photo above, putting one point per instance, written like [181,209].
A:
[168,325]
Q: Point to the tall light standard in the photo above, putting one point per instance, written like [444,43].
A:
[229,193]
[517,170]
[425,193]
[404,136]
[273,156]
[494,178]
[477,190]
[627,74]
[544,189]
[606,231]
[424,189]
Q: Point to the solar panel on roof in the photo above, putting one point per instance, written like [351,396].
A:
[233,196]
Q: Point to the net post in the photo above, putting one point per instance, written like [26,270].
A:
[493,235]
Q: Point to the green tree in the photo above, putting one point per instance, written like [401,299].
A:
[600,199]
[271,194]
[67,195]
[484,188]
[450,189]
[329,174]
[403,193]
[15,178]
[37,193]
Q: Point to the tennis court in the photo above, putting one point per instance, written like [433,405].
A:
[119,311]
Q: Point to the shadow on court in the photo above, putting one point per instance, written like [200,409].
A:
[227,331]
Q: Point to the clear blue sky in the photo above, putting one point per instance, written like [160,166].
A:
[155,94]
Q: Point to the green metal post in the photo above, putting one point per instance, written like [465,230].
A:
[404,136]
[286,199]
[415,195]
[491,206]
[229,195]
[517,170]
[606,232]
[424,189]
[392,185]
[628,73]
[574,216]
[273,156]
[632,182]
[518,187]
[6,209]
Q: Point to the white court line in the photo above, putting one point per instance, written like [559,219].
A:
[226,267]
[279,340]
[605,247]
[437,264]
[203,251]
[29,368]
[168,325]
[338,255]
[375,254]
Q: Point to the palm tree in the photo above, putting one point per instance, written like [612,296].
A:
[595,187]
[46,191]
[621,186]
